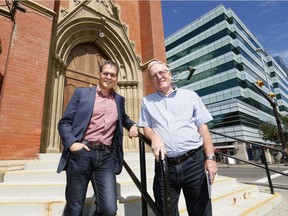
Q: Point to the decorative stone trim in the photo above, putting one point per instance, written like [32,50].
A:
[39,8]
[60,60]
[128,84]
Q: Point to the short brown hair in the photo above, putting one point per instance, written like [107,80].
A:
[110,63]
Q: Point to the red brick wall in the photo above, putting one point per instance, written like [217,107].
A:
[23,89]
[5,35]
[129,15]
[152,37]
[145,25]
[22,95]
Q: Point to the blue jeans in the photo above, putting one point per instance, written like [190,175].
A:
[98,167]
[190,177]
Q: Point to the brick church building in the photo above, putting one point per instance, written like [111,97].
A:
[48,48]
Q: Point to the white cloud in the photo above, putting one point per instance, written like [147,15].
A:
[281,36]
[175,11]
[282,54]
[268,3]
[268,8]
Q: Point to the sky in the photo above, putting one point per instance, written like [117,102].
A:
[266,20]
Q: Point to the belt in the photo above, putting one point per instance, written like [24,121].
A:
[99,145]
[182,158]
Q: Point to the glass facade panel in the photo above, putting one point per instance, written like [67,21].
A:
[234,118]
[245,33]
[208,73]
[204,58]
[199,45]
[197,31]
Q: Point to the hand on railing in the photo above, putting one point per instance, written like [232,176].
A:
[133,131]
[164,169]
[158,148]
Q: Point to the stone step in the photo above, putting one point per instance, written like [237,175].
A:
[31,189]
[49,157]
[50,162]
[51,175]
[44,165]
[256,204]
[128,156]
[41,208]
[229,195]
[38,190]
[34,176]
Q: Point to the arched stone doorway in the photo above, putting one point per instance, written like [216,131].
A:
[78,50]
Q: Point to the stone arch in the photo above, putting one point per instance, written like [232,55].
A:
[115,45]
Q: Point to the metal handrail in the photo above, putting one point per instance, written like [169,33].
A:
[142,185]
[263,146]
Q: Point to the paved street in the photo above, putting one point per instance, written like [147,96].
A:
[249,173]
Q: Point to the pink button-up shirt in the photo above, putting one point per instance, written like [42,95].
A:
[104,119]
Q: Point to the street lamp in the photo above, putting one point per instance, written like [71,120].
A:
[191,72]
[273,103]
[101,33]
[261,51]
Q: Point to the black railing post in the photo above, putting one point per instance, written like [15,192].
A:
[267,169]
[264,159]
[143,177]
[166,182]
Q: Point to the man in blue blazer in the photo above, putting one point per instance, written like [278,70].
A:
[91,130]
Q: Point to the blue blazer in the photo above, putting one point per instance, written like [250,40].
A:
[76,118]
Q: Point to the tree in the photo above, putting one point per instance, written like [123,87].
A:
[269,131]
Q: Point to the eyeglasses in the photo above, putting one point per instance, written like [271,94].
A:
[154,77]
[112,75]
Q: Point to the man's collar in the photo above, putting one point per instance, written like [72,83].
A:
[99,91]
[174,87]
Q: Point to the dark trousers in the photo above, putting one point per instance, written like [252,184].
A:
[190,177]
[97,166]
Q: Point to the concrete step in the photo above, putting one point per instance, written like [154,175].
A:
[40,175]
[230,195]
[232,198]
[39,164]
[34,176]
[255,204]
[41,208]
[35,189]
[50,161]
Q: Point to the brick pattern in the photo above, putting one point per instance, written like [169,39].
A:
[23,90]
[145,25]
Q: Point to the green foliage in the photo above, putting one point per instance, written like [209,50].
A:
[284,120]
[269,131]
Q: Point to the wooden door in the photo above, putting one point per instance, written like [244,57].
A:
[83,67]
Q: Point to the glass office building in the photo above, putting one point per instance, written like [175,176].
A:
[228,60]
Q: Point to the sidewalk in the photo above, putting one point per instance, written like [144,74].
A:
[281,165]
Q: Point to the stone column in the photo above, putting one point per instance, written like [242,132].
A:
[128,89]
[53,139]
[240,150]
